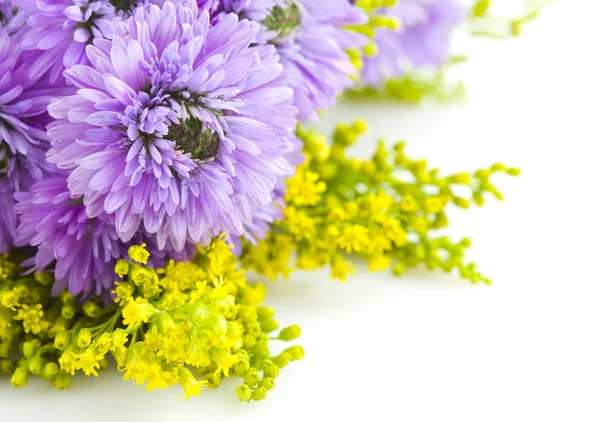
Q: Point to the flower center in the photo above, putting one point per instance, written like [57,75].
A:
[283,20]
[5,160]
[124,5]
[193,137]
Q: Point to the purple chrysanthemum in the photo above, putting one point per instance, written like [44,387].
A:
[179,127]
[314,52]
[62,29]
[81,251]
[311,38]
[23,141]
[422,41]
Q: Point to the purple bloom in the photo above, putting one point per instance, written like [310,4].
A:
[314,52]
[264,216]
[422,41]
[23,140]
[310,37]
[61,30]
[83,250]
[178,127]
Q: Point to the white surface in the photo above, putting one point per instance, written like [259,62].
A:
[428,347]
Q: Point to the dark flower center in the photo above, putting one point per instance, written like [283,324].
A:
[193,137]
[283,20]
[5,160]
[124,5]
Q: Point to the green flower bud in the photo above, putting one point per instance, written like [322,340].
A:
[84,338]
[264,313]
[270,369]
[282,360]
[5,350]
[50,370]
[68,311]
[252,377]
[62,380]
[8,299]
[20,377]
[30,348]
[241,368]
[62,340]
[290,333]
[269,325]
[243,392]
[297,352]
[91,309]
[214,380]
[267,382]
[36,365]
[122,268]
[6,366]
[461,202]
[261,350]
[259,394]
[43,278]
[398,269]
[249,342]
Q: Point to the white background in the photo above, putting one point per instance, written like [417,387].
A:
[429,347]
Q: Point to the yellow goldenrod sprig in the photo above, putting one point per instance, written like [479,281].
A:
[191,324]
[414,86]
[377,19]
[485,23]
[386,210]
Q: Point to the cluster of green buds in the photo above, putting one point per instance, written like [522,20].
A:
[386,210]
[191,324]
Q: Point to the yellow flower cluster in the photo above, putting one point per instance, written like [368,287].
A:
[385,210]
[191,324]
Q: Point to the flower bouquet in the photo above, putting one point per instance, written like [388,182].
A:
[152,152]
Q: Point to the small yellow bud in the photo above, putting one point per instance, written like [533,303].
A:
[270,369]
[244,392]
[20,377]
[6,366]
[62,340]
[297,352]
[252,377]
[259,394]
[290,333]
[267,382]
[62,380]
[139,254]
[30,348]
[269,325]
[122,268]
[50,370]
[461,203]
[91,309]
[84,338]
[282,360]
[36,365]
